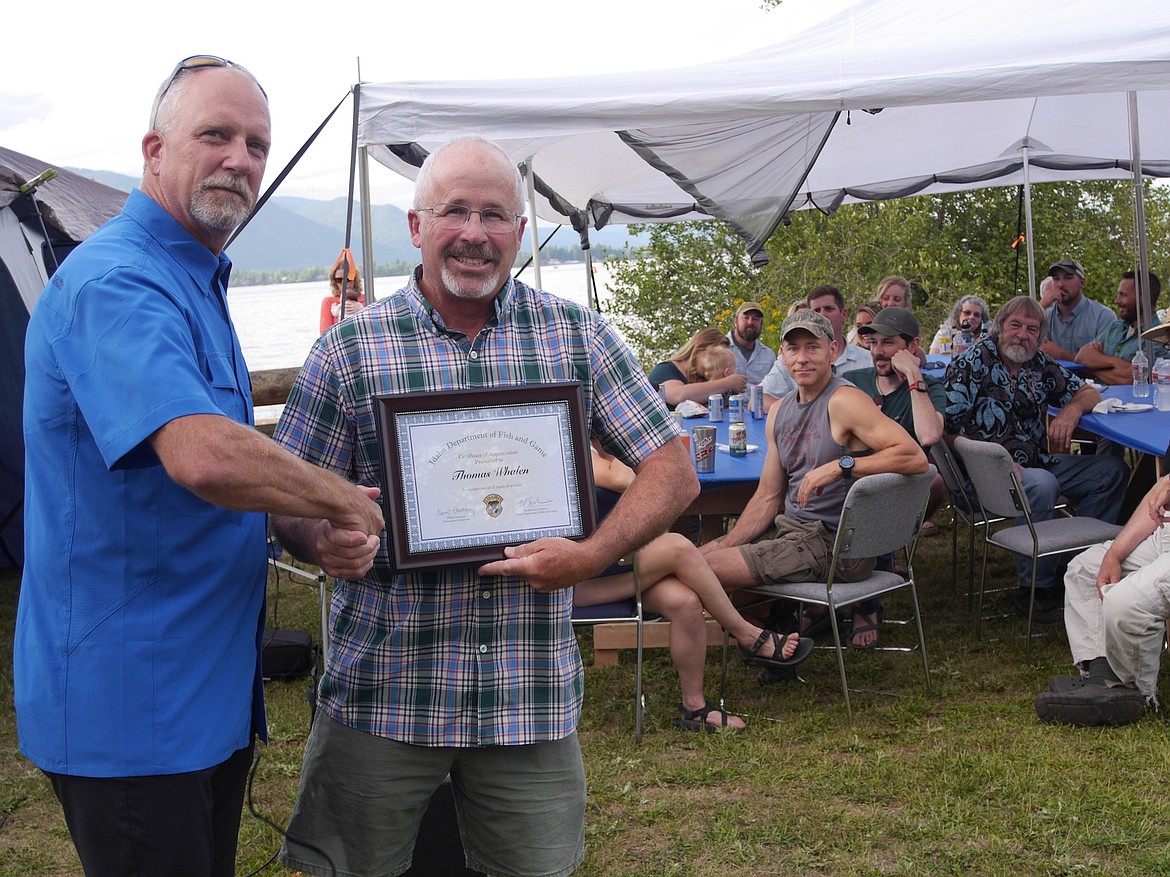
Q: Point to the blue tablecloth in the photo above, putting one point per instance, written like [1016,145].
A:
[1145,431]
[731,471]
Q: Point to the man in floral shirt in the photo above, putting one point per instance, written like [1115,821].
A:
[999,391]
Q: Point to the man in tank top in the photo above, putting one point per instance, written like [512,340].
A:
[820,436]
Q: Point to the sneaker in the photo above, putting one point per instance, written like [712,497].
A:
[1091,705]
[1049,609]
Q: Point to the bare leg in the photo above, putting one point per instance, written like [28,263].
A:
[673,554]
[673,600]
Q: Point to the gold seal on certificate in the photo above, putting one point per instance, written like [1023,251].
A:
[467,473]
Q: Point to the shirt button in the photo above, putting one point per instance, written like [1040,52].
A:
[475,354]
[487,595]
[483,650]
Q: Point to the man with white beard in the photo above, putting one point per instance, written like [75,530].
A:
[999,391]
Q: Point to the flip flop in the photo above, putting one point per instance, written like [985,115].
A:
[855,629]
[696,720]
[751,656]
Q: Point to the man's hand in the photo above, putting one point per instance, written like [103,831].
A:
[344,554]
[1157,501]
[1109,574]
[817,480]
[1061,429]
[546,564]
[906,364]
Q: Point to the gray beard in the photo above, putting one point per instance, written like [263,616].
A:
[487,289]
[221,215]
[1018,353]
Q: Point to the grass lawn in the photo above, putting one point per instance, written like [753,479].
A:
[964,780]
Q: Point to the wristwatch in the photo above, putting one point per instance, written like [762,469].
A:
[846,464]
[920,386]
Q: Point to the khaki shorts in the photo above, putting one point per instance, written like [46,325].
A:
[361,800]
[791,551]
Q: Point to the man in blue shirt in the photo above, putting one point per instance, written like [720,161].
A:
[137,649]
[1109,356]
[1073,320]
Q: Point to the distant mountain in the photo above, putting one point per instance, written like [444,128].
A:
[291,234]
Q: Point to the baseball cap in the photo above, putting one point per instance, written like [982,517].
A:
[810,321]
[892,321]
[1072,266]
[749,306]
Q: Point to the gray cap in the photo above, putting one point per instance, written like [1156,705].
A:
[892,321]
[810,321]
[1071,266]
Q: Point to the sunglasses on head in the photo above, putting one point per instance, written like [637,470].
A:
[195,62]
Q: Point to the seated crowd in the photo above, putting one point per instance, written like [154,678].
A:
[840,410]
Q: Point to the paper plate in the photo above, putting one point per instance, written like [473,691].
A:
[1132,407]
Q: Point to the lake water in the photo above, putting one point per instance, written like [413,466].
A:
[277,323]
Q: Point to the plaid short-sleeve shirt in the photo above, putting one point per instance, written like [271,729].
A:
[446,657]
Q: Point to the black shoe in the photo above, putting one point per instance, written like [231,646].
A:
[1049,608]
[1091,705]
[1065,684]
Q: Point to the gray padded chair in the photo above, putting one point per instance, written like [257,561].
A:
[883,513]
[1001,496]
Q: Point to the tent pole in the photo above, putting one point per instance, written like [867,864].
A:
[1139,216]
[533,236]
[590,286]
[1028,226]
[367,232]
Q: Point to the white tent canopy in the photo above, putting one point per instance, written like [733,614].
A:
[960,86]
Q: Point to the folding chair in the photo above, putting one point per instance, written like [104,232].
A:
[627,611]
[882,513]
[1001,497]
[970,514]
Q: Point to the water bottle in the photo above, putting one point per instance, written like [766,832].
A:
[944,341]
[1141,375]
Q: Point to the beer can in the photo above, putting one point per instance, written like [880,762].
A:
[735,407]
[756,401]
[715,407]
[737,439]
[703,445]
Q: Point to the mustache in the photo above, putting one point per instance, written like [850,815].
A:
[468,251]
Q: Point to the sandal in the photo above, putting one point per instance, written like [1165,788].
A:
[752,657]
[696,720]
[865,627]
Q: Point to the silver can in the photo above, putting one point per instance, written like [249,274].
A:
[737,439]
[756,401]
[715,407]
[735,406]
[703,445]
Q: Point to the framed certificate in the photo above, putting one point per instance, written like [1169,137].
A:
[466,473]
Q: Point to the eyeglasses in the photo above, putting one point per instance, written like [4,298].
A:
[195,62]
[495,220]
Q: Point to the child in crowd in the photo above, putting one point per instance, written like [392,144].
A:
[714,363]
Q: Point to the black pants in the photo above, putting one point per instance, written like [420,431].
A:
[173,825]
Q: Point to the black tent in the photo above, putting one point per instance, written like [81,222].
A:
[37,231]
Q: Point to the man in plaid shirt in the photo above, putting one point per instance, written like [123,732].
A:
[472,672]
